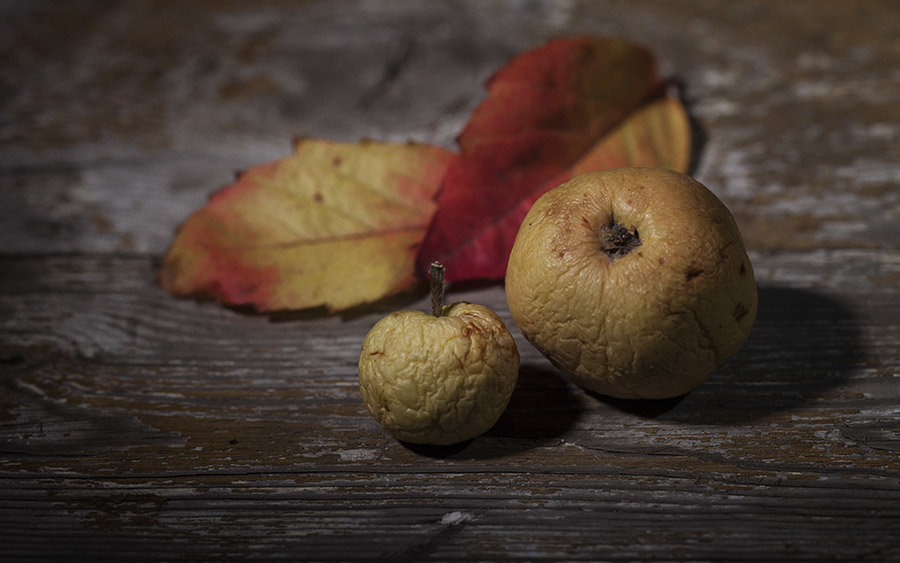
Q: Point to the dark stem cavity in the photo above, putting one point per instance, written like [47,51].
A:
[616,240]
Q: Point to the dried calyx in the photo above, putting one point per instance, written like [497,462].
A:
[616,240]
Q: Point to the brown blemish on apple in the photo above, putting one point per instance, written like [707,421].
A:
[740,311]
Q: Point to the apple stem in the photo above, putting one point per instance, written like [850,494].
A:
[436,283]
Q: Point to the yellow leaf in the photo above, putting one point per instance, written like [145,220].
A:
[333,225]
[657,135]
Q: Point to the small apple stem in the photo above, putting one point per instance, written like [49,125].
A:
[436,277]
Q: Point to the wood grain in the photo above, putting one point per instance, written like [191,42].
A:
[134,425]
[142,419]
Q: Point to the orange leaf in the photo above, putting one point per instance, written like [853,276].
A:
[574,105]
[332,225]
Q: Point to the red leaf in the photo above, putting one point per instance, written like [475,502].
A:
[574,105]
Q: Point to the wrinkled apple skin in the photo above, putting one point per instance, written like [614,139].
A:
[438,380]
[651,324]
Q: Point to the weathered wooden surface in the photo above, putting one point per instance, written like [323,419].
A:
[133,424]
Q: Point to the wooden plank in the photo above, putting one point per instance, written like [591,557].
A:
[797,133]
[137,425]
[134,419]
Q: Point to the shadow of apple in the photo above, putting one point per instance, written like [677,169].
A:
[803,344]
[542,408]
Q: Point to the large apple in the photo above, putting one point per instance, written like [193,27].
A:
[634,282]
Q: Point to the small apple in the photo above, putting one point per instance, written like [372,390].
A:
[634,282]
[442,378]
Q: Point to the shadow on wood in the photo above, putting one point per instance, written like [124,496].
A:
[803,344]
[699,135]
[542,408]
